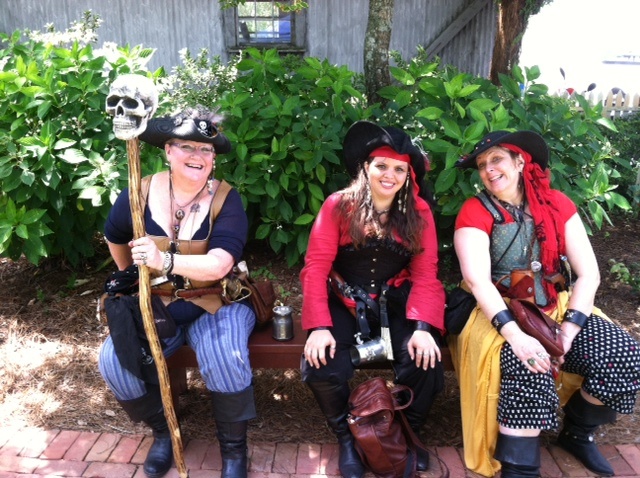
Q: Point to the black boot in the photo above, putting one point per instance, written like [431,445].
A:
[148,409]
[519,456]
[580,422]
[416,420]
[232,412]
[333,402]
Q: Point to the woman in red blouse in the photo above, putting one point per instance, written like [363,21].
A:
[378,236]
[508,386]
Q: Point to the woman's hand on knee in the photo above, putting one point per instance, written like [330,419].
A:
[315,350]
[423,349]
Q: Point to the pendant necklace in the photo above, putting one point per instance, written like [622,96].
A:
[517,212]
[179,215]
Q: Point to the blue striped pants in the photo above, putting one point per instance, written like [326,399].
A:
[219,341]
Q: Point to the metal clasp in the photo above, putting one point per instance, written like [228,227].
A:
[234,291]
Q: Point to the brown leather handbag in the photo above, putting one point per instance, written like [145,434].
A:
[378,432]
[539,325]
[383,438]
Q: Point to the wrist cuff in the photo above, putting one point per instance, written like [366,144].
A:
[501,319]
[420,325]
[575,317]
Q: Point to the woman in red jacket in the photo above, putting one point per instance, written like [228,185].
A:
[377,241]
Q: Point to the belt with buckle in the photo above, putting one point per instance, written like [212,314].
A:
[188,293]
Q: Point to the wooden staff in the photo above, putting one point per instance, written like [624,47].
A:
[133,156]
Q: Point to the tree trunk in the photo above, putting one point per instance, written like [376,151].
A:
[376,47]
[513,17]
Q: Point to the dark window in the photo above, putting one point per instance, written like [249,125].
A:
[261,23]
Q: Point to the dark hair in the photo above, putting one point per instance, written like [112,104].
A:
[356,206]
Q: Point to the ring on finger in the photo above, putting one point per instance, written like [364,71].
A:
[143,256]
[543,355]
[531,361]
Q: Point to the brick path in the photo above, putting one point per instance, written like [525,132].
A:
[39,453]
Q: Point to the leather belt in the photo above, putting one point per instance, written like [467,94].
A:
[188,293]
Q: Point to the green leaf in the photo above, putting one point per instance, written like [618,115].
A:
[304,219]
[445,180]
[272,189]
[432,113]
[316,192]
[22,231]
[64,143]
[73,156]
[402,76]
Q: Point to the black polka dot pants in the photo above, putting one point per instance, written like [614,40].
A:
[606,356]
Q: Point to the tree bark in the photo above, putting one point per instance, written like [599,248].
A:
[376,48]
[513,16]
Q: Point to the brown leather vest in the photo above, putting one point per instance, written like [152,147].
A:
[210,302]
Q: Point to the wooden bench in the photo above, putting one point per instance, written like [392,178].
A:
[264,352]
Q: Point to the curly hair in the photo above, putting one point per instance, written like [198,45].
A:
[356,205]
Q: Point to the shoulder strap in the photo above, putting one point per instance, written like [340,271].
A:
[490,206]
[145,184]
[219,196]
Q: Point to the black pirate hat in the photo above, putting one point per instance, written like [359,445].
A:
[363,137]
[202,130]
[529,141]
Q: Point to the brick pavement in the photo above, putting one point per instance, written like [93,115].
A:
[31,453]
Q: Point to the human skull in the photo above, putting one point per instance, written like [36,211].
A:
[132,100]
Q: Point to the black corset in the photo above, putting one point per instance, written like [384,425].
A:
[372,264]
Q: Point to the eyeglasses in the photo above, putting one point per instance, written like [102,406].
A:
[188,149]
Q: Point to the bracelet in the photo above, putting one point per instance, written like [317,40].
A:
[575,317]
[501,319]
[420,325]
[322,327]
[167,265]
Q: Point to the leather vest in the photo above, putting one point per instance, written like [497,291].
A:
[210,302]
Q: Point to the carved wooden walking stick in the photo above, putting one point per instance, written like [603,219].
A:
[128,123]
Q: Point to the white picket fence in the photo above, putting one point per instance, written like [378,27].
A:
[616,104]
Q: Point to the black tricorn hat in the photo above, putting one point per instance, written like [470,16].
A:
[202,130]
[364,136]
[529,141]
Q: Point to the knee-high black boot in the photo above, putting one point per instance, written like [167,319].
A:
[232,412]
[148,409]
[519,456]
[333,402]
[416,420]
[580,422]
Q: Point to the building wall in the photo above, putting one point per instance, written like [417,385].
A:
[335,28]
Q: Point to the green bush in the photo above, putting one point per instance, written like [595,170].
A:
[60,165]
[626,143]
[450,111]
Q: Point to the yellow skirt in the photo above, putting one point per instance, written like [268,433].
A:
[476,358]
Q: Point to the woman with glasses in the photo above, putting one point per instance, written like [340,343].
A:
[196,230]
